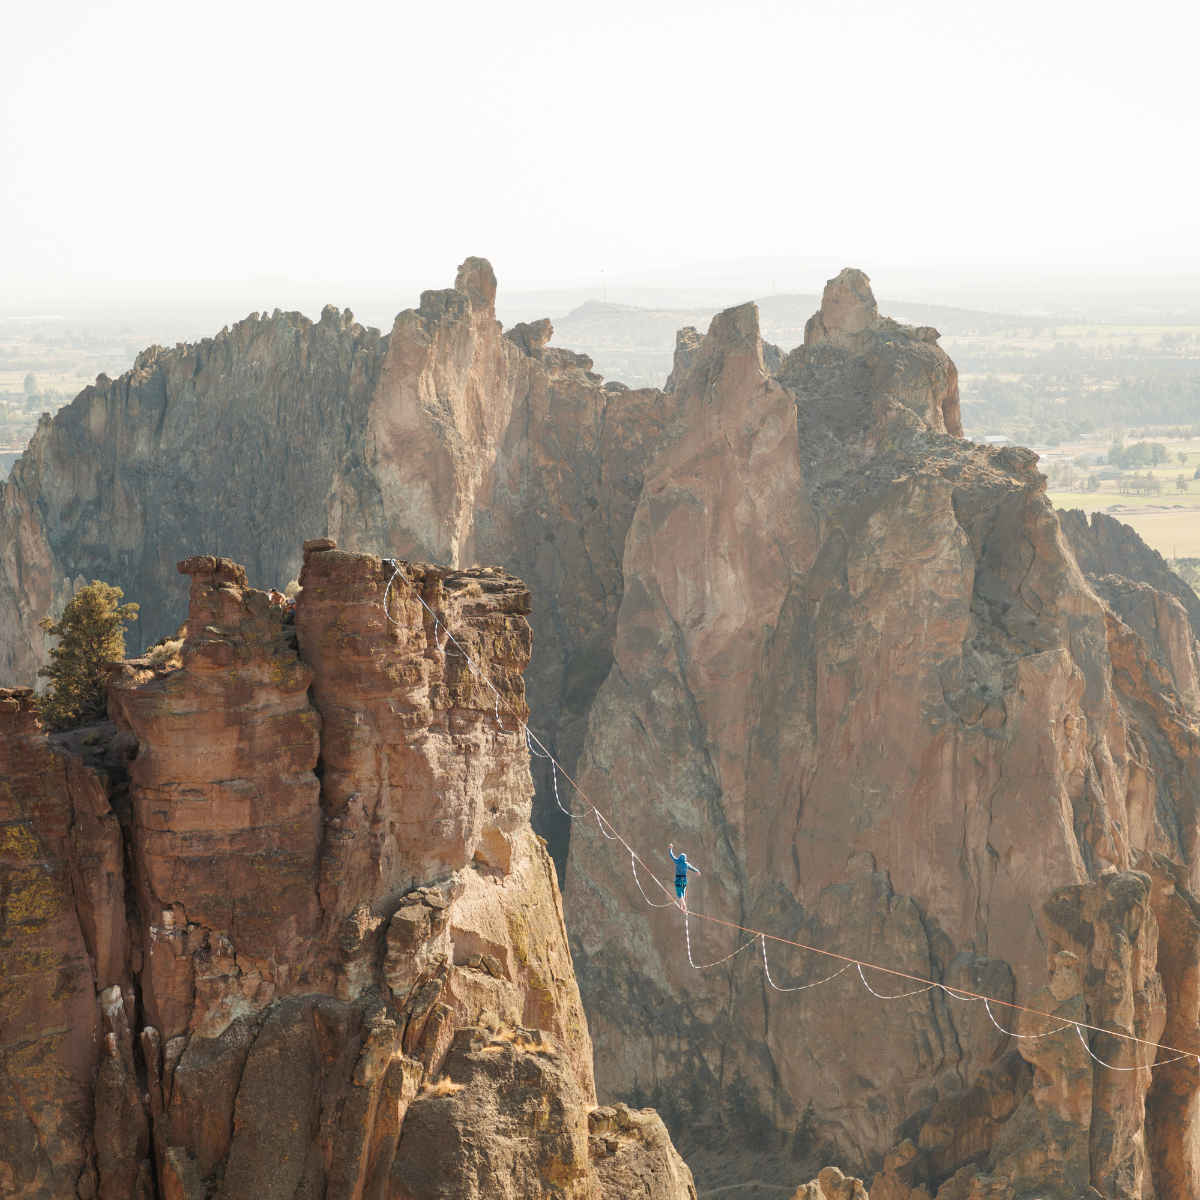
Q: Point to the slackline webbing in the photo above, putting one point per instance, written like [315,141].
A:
[755,934]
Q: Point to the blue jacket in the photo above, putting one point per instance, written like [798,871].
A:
[682,866]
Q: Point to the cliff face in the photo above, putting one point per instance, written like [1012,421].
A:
[206,448]
[326,954]
[861,679]
[785,618]
[62,928]
[446,440]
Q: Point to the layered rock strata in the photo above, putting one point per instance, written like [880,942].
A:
[326,955]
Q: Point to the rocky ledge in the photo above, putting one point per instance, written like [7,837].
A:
[280,927]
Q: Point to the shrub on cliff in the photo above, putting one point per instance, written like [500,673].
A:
[91,632]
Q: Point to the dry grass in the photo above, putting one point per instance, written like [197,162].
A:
[164,653]
[520,1042]
[443,1087]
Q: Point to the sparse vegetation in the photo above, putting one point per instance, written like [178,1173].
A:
[91,632]
[521,1042]
[674,1111]
[1188,569]
[442,1087]
[804,1139]
[164,652]
[746,1113]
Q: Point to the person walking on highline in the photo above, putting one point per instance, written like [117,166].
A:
[682,867]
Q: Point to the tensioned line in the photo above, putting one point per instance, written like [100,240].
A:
[755,934]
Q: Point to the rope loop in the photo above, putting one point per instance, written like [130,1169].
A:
[706,966]
[899,995]
[804,986]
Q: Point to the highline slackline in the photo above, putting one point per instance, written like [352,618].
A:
[754,934]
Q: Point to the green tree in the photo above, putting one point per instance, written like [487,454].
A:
[668,1106]
[1093,483]
[91,632]
[1158,454]
[31,385]
[744,1109]
[737,1097]
[1182,456]
[1181,483]
[804,1139]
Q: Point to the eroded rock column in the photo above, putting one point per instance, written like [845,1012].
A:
[63,939]
[227,819]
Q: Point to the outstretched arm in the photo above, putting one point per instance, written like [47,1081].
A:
[691,868]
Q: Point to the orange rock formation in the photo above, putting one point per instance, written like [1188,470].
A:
[884,696]
[339,966]
[862,679]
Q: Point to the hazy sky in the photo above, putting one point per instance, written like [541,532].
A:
[371,142]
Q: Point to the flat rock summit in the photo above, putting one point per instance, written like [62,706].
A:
[283,926]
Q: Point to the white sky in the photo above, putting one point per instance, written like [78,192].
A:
[376,142]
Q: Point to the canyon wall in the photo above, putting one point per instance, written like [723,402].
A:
[445,440]
[861,678]
[784,617]
[281,927]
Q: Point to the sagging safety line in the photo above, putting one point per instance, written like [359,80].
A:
[1037,1012]
[899,995]
[1139,1067]
[634,858]
[804,986]
[668,903]
[705,967]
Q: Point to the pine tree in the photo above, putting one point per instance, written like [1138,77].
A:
[805,1137]
[91,632]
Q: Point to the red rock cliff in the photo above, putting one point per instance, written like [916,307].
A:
[862,680]
[858,668]
[330,959]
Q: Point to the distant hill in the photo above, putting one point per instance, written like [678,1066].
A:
[635,343]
